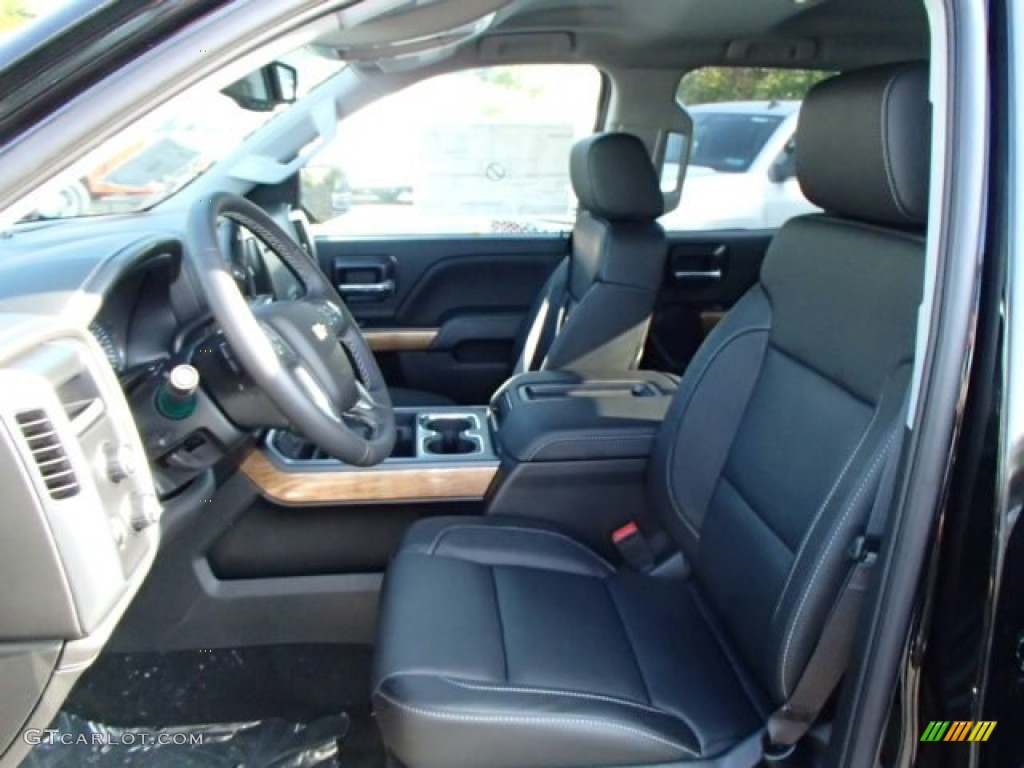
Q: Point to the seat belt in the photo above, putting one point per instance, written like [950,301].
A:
[547,320]
[788,724]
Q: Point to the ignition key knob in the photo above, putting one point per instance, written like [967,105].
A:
[176,397]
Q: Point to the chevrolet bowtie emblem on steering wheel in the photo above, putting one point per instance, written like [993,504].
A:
[320,331]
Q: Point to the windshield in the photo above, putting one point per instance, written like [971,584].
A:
[729,142]
[169,148]
[27,21]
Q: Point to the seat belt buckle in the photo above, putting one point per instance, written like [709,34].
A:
[864,549]
[633,546]
[776,755]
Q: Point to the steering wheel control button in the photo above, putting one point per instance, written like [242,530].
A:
[332,317]
[281,349]
[228,358]
[176,397]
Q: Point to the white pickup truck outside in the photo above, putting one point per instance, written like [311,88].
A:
[741,173]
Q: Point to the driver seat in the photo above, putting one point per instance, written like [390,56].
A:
[506,642]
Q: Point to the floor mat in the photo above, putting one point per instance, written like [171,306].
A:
[300,683]
[269,743]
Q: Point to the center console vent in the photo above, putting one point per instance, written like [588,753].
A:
[48,453]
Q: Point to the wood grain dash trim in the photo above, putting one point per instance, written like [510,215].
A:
[400,339]
[369,485]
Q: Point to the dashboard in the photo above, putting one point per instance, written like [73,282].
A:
[136,323]
[127,281]
[124,280]
[94,313]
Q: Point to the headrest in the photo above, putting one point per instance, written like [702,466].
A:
[863,146]
[614,178]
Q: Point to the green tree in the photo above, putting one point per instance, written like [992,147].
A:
[507,77]
[716,84]
[14,14]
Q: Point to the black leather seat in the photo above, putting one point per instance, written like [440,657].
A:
[507,643]
[617,260]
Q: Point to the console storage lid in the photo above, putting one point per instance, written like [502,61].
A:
[562,416]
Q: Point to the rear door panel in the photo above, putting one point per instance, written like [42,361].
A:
[707,273]
[443,313]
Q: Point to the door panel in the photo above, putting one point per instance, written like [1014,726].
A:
[707,273]
[443,313]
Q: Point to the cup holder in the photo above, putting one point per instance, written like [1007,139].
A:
[450,435]
[405,436]
[445,424]
[450,445]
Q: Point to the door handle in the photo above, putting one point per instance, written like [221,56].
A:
[696,275]
[369,278]
[698,264]
[376,290]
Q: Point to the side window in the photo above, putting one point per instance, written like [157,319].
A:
[480,151]
[742,171]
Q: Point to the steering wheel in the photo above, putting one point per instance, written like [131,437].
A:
[308,355]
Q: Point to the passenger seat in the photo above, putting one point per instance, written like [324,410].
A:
[506,641]
[593,313]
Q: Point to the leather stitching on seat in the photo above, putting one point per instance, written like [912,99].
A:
[476,686]
[868,476]
[501,623]
[752,689]
[835,382]
[432,549]
[629,642]
[751,509]
[591,438]
[886,158]
[682,416]
[821,509]
[831,221]
[483,717]
[560,692]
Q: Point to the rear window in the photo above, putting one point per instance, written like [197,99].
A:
[742,169]
[728,143]
[712,85]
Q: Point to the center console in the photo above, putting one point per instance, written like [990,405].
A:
[444,453]
[553,445]
[554,416]
[435,435]
[575,449]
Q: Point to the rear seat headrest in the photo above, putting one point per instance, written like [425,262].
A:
[863,145]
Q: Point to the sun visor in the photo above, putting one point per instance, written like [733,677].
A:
[388,29]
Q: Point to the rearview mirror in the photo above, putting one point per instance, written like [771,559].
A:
[266,88]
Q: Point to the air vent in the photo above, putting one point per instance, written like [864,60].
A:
[48,453]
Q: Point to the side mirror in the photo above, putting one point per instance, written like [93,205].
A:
[784,167]
[266,88]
